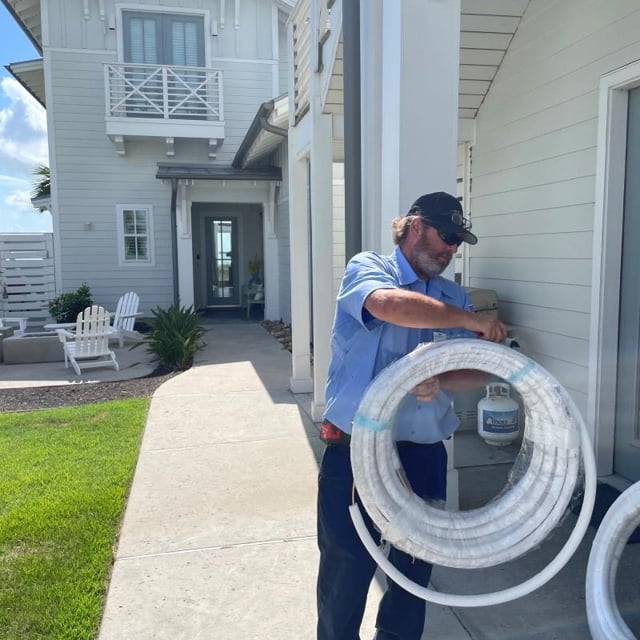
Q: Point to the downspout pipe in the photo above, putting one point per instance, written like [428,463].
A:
[174,240]
[271,128]
[352,128]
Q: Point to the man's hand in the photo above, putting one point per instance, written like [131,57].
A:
[427,390]
[488,328]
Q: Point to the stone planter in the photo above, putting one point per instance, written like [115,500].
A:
[33,347]
[5,332]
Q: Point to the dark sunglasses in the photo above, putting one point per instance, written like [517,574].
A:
[448,237]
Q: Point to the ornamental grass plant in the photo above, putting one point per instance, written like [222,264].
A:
[66,474]
[174,337]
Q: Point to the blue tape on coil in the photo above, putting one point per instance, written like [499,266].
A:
[360,420]
[518,375]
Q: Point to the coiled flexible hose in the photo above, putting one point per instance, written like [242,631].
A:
[504,529]
[623,516]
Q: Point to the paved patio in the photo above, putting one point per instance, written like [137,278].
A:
[134,363]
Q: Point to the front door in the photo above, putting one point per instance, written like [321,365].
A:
[222,261]
[627,428]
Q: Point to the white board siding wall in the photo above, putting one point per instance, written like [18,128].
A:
[91,179]
[70,27]
[246,86]
[283,62]
[339,243]
[533,175]
[281,228]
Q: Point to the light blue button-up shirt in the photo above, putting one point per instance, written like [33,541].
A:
[361,346]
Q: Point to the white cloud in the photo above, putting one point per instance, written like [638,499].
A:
[19,200]
[23,131]
[16,211]
[23,147]
[35,114]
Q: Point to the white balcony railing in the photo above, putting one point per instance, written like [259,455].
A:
[168,93]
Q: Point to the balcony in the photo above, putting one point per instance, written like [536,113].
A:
[146,100]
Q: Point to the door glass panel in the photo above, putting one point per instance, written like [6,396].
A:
[222,267]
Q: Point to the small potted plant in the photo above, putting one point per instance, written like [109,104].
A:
[255,265]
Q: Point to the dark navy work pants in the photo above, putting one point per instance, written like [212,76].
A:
[346,568]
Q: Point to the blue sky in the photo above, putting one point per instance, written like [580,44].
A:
[23,136]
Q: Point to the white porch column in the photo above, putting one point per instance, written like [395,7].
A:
[301,381]
[271,267]
[185,248]
[321,253]
[371,122]
[411,89]
[409,98]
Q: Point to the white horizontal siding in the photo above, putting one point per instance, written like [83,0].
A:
[339,243]
[283,62]
[246,86]
[91,179]
[553,270]
[534,175]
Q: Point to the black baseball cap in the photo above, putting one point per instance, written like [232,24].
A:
[444,213]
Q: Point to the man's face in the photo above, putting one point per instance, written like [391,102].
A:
[430,255]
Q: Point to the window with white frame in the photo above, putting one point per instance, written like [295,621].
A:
[135,234]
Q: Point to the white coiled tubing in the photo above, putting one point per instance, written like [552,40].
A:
[555,441]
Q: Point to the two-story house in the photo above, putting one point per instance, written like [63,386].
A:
[166,135]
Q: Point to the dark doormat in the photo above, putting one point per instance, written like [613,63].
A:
[606,495]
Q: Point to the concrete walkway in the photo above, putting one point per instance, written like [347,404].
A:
[218,540]
[218,537]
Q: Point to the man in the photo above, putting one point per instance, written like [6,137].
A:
[388,305]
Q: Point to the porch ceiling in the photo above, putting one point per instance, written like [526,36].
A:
[27,15]
[31,76]
[486,30]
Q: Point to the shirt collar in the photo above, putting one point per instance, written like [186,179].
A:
[406,273]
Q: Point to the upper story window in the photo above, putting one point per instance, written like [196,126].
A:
[135,234]
[164,74]
[163,39]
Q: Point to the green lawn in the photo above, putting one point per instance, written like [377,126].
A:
[64,478]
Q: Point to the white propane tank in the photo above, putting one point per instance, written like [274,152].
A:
[498,415]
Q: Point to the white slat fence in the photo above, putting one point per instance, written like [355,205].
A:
[27,276]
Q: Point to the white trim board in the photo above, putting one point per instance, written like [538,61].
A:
[606,256]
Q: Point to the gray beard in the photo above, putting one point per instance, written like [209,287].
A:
[427,267]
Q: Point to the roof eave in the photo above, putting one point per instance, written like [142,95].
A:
[262,124]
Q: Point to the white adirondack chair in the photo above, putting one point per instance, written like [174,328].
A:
[21,322]
[125,316]
[88,346]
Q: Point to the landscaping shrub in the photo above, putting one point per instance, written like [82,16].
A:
[67,306]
